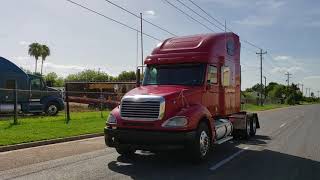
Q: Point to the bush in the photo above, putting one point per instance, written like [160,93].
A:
[291,100]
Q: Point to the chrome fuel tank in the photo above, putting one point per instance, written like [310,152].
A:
[7,108]
[223,128]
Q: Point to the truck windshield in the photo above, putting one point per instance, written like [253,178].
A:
[182,74]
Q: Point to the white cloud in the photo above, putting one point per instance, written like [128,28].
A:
[149,14]
[24,43]
[293,69]
[273,4]
[64,70]
[255,20]
[281,58]
[313,78]
[288,60]
[21,58]
[314,24]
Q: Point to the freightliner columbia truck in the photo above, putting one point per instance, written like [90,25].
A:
[33,95]
[189,98]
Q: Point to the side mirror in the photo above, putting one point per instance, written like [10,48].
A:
[138,78]
[49,83]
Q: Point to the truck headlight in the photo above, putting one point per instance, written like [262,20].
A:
[111,119]
[177,121]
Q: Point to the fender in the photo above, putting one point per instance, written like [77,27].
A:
[195,114]
[52,98]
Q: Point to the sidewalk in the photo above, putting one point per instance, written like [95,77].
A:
[22,157]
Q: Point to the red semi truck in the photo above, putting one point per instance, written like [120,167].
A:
[189,98]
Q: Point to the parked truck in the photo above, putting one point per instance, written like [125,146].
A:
[32,93]
[189,98]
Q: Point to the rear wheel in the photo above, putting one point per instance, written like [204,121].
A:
[246,132]
[253,127]
[200,147]
[52,109]
[125,150]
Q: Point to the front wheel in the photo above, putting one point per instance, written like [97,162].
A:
[52,109]
[199,149]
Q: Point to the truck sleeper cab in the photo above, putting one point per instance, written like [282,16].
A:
[33,94]
[189,98]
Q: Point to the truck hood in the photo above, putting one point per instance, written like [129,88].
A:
[167,91]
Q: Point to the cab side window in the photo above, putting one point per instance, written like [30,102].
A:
[36,84]
[212,75]
[225,76]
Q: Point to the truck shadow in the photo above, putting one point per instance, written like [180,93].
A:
[251,164]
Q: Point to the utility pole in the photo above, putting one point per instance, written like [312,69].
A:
[288,78]
[309,92]
[261,53]
[302,89]
[265,88]
[137,55]
[318,93]
[141,34]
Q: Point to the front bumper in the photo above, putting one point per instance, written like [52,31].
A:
[147,139]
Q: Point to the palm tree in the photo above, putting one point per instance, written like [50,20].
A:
[45,52]
[35,51]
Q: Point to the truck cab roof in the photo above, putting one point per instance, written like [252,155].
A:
[201,48]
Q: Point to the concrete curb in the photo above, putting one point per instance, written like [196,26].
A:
[47,142]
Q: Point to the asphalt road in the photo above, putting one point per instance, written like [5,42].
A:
[286,147]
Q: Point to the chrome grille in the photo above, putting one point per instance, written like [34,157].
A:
[140,108]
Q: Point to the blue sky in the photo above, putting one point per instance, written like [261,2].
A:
[80,40]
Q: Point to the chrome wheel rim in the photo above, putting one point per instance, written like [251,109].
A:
[52,109]
[204,143]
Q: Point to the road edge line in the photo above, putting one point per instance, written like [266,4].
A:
[48,142]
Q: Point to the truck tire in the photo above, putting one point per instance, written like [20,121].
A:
[253,126]
[199,149]
[246,132]
[125,150]
[52,109]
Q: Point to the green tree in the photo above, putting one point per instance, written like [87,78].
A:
[126,76]
[54,79]
[88,75]
[45,52]
[271,86]
[35,51]
[257,87]
[278,92]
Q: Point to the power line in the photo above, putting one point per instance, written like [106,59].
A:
[200,15]
[186,14]
[219,22]
[111,19]
[207,13]
[149,22]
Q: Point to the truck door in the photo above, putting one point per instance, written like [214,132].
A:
[37,91]
[36,88]
[212,91]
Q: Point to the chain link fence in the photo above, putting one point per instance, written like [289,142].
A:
[74,98]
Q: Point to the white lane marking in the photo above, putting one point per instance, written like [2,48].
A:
[282,125]
[221,163]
